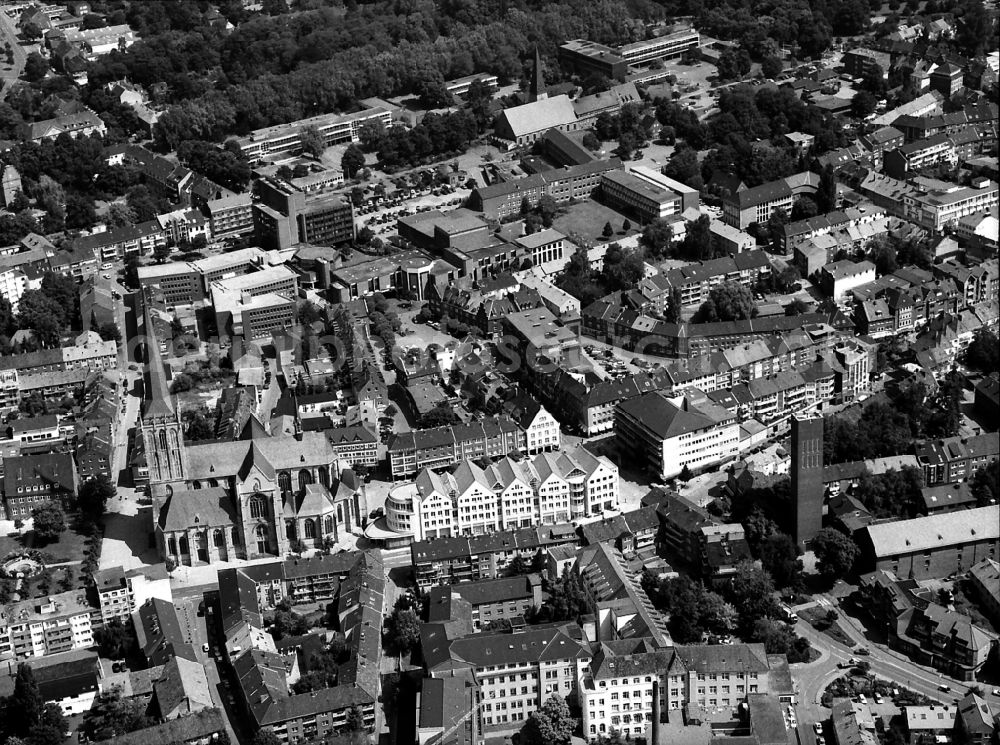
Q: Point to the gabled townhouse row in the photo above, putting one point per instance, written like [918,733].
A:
[508,494]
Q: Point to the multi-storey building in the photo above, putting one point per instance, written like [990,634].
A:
[31,481]
[287,215]
[13,283]
[264,681]
[491,600]
[562,184]
[954,459]
[541,429]
[668,435]
[619,605]
[936,207]
[841,277]
[84,355]
[505,495]
[37,627]
[934,546]
[115,594]
[231,215]
[905,159]
[460,86]
[286,139]
[645,199]
[927,632]
[625,678]
[589,57]
[979,283]
[255,304]
[696,281]
[410,452]
[670,45]
[516,671]
[448,560]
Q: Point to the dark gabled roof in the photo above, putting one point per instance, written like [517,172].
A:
[711,658]
[496,590]
[210,507]
[158,401]
[42,469]
[199,726]
[664,418]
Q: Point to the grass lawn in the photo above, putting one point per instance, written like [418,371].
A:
[588,219]
[71,545]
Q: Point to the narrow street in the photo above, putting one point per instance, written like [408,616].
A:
[812,678]
[8,31]
[195,624]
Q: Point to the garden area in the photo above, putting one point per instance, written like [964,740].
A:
[827,621]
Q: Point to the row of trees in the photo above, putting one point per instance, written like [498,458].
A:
[25,718]
[50,311]
[305,65]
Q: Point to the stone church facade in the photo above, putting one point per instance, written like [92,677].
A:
[256,496]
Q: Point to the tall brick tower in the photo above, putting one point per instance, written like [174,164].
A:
[807,477]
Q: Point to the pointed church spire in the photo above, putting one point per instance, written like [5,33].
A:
[158,401]
[537,89]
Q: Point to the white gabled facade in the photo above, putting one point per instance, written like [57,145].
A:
[508,494]
[542,433]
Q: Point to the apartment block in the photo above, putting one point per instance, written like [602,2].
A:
[625,679]
[696,281]
[37,627]
[410,452]
[115,594]
[954,459]
[230,216]
[445,561]
[516,671]
[904,160]
[491,600]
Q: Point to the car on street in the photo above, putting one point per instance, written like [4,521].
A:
[862,650]
[944,687]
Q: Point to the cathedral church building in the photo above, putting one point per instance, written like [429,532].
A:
[247,498]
